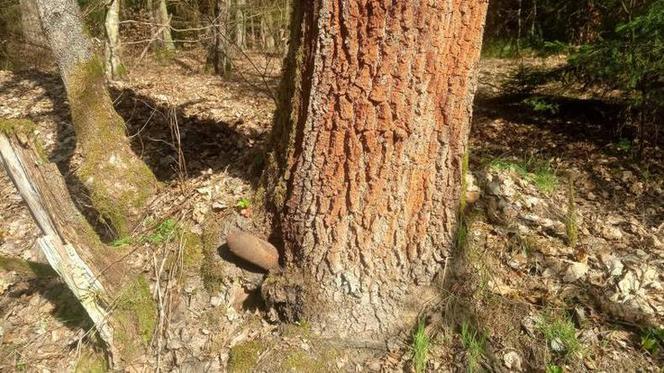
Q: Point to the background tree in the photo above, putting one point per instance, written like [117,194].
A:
[119,183]
[369,141]
[163,25]
[114,68]
[220,50]
[30,26]
[240,24]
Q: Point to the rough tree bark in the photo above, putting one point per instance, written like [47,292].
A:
[114,68]
[119,183]
[366,169]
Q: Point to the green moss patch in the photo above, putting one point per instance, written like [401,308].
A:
[322,359]
[13,126]
[135,311]
[192,257]
[119,184]
[212,271]
[244,356]
[91,362]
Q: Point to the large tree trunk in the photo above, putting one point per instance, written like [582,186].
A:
[366,169]
[114,68]
[119,183]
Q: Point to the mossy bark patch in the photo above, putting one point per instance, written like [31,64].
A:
[91,362]
[244,356]
[192,256]
[303,361]
[119,183]
[212,271]
[135,312]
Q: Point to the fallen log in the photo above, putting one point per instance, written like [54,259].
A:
[92,271]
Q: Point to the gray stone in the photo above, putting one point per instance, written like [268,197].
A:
[575,271]
[512,361]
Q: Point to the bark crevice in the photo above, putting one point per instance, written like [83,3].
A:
[368,145]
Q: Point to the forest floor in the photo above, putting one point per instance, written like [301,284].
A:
[546,161]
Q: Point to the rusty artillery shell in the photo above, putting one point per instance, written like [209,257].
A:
[253,249]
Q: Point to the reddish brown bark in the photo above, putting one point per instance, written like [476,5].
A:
[365,176]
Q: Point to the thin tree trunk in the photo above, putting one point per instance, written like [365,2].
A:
[114,68]
[118,182]
[519,26]
[285,18]
[368,145]
[269,30]
[264,32]
[533,25]
[164,23]
[220,57]
[240,24]
[30,26]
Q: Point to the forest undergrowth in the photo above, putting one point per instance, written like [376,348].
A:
[546,160]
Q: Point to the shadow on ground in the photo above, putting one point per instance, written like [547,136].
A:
[174,145]
[587,134]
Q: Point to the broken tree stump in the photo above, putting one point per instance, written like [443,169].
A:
[92,271]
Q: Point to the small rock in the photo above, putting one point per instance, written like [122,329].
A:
[579,316]
[575,271]
[615,267]
[610,232]
[231,314]
[531,201]
[472,190]
[557,345]
[512,361]
[628,285]
[216,301]
[528,325]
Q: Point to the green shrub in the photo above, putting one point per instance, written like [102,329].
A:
[420,347]
[474,342]
[630,61]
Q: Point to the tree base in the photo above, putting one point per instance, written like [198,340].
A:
[337,309]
